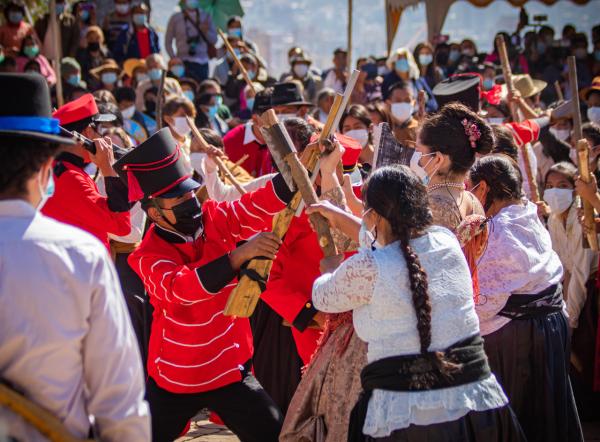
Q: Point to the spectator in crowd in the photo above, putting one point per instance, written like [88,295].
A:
[117,21]
[337,77]
[194,35]
[189,88]
[15,28]
[71,75]
[210,102]
[591,95]
[155,64]
[69,32]
[176,68]
[30,51]
[301,72]
[356,123]
[401,107]
[429,66]
[92,55]
[138,39]
[517,60]
[235,30]
[125,97]
[85,13]
[107,75]
[135,71]
[324,102]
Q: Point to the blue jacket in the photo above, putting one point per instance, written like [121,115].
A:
[127,47]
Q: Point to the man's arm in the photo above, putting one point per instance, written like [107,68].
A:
[112,364]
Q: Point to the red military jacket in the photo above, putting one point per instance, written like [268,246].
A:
[289,289]
[240,141]
[76,200]
[193,346]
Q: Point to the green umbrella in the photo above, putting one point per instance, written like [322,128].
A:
[222,10]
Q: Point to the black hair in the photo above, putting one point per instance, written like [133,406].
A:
[234,18]
[396,194]
[212,137]
[591,131]
[20,159]
[502,176]
[445,132]
[300,132]
[32,64]
[379,108]
[125,94]
[359,112]
[564,168]
[504,142]
[399,85]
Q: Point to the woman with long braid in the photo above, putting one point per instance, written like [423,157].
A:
[410,291]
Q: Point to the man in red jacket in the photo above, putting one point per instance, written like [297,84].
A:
[189,261]
[76,199]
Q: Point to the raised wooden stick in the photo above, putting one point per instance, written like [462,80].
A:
[590,240]
[559,93]
[160,99]
[204,145]
[56,37]
[506,71]
[237,61]
[239,162]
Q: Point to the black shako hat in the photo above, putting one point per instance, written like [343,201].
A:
[155,169]
[464,88]
[25,109]
[288,94]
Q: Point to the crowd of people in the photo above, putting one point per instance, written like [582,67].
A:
[462,303]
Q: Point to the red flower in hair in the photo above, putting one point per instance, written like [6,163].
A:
[472,132]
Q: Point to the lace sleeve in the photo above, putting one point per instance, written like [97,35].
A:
[349,287]
[336,197]
[444,212]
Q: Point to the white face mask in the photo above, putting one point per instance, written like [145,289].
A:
[197,160]
[323,117]
[593,114]
[283,117]
[48,192]
[128,112]
[559,200]
[418,169]
[402,111]
[495,120]
[301,70]
[561,134]
[181,126]
[366,238]
[360,135]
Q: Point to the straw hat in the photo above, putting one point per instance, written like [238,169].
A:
[109,65]
[585,92]
[132,64]
[527,86]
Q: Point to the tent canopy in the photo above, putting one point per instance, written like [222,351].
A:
[436,11]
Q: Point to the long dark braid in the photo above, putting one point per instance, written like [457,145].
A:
[396,194]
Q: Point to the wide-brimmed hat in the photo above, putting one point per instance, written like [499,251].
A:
[26,110]
[464,88]
[527,86]
[288,94]
[109,65]
[585,93]
[131,64]
[156,168]
[301,58]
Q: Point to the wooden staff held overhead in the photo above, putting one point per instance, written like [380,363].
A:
[55,29]
[205,146]
[506,72]
[559,93]
[237,61]
[160,99]
[591,239]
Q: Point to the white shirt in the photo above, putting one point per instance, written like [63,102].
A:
[376,286]
[518,259]
[249,136]
[579,262]
[332,81]
[66,339]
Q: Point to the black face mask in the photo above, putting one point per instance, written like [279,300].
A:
[188,216]
[94,47]
[150,106]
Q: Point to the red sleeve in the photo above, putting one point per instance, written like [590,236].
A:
[86,200]
[253,212]
[526,132]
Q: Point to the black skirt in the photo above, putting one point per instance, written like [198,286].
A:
[530,358]
[496,425]
[277,365]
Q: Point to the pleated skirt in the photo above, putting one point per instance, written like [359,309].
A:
[530,359]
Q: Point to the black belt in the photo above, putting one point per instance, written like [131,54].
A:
[525,306]
[418,373]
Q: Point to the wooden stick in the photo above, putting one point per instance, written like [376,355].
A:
[591,240]
[559,92]
[55,29]
[220,164]
[588,210]
[328,127]
[347,95]
[349,58]
[506,71]
[237,61]
[160,99]
[239,162]
[421,99]
[41,419]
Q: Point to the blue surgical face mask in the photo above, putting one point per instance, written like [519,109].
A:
[402,65]
[454,56]
[189,95]
[425,59]
[178,70]
[84,15]
[420,170]
[212,111]
[74,80]
[15,17]
[235,32]
[109,78]
[31,51]
[140,19]
[155,74]
[48,192]
[488,83]
[60,8]
[250,102]
[251,75]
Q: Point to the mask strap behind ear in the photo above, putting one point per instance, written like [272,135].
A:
[157,207]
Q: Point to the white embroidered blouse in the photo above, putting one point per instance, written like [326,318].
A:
[375,285]
[518,259]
